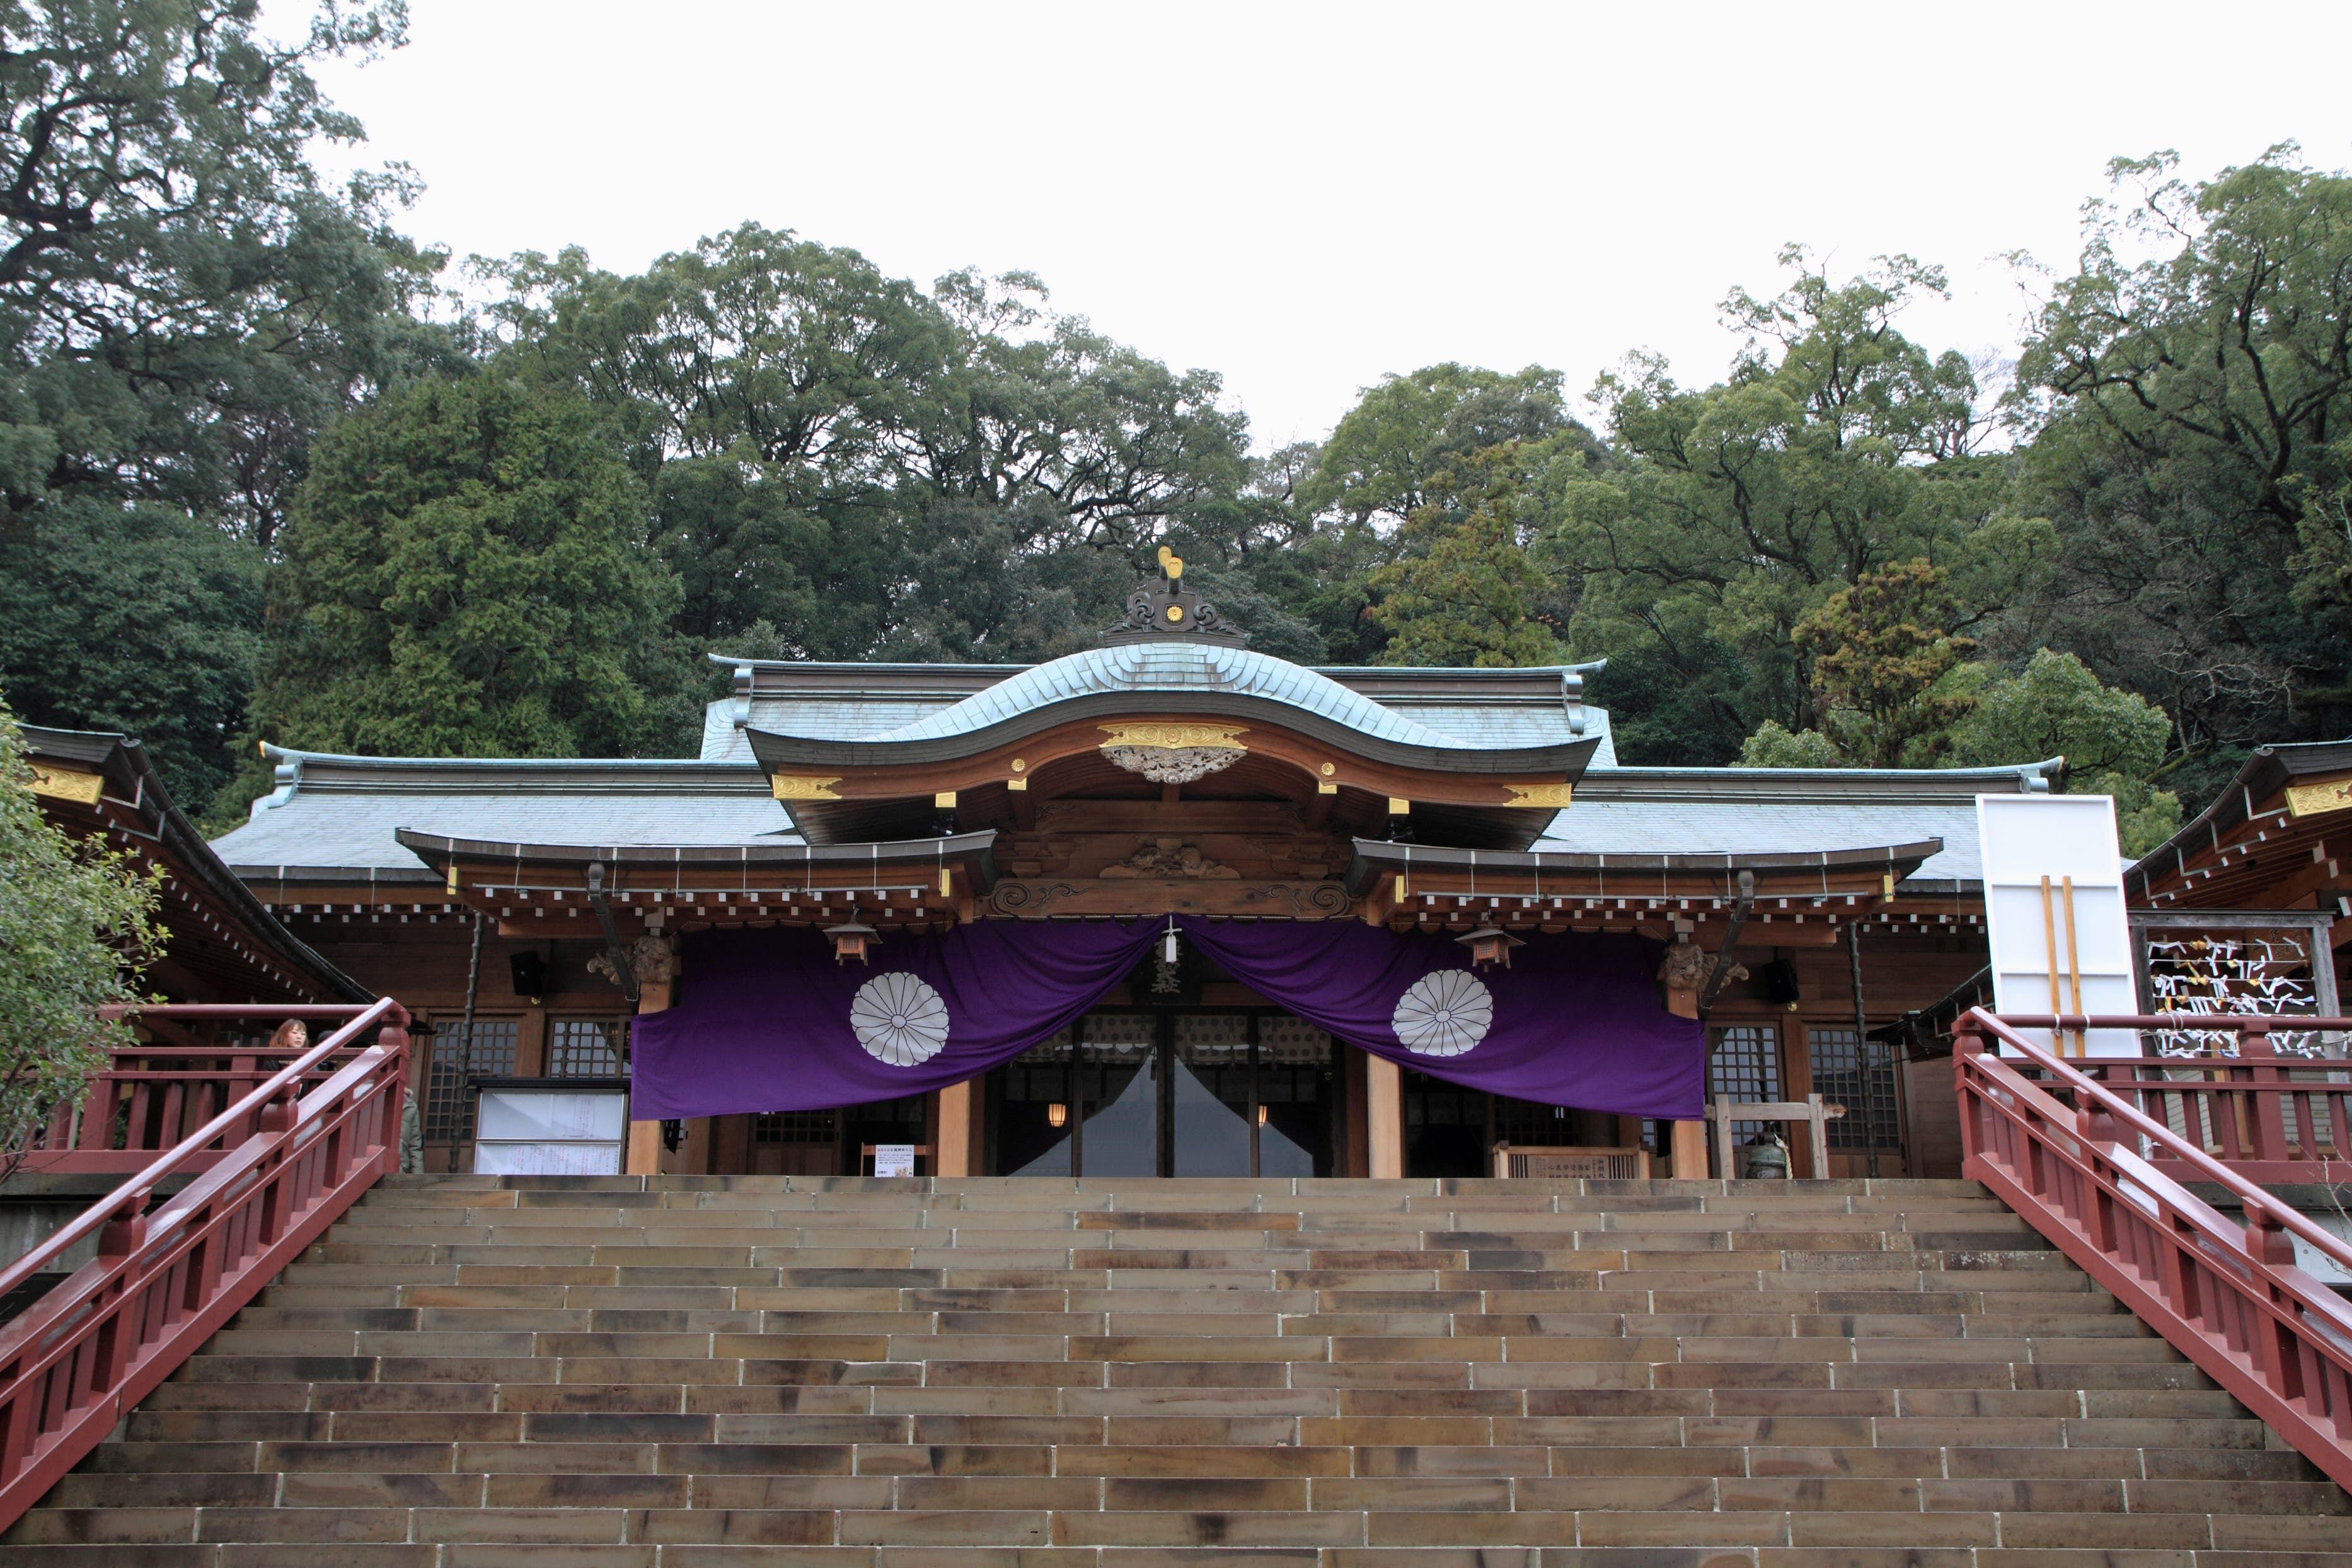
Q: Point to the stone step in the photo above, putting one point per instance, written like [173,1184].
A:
[686,1373]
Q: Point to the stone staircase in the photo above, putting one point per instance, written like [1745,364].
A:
[684,1372]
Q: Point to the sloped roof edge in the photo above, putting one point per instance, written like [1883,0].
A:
[106,751]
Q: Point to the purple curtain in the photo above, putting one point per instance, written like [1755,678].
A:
[1575,1020]
[770,1022]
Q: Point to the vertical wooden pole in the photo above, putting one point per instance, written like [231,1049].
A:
[1687,1151]
[1806,1152]
[1384,1095]
[1385,1115]
[643,1156]
[953,1138]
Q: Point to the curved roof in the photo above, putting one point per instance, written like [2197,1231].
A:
[1201,667]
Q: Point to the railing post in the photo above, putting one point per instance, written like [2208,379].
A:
[2266,1116]
[2267,1240]
[118,1244]
[1968,1043]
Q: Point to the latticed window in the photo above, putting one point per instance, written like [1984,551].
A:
[1525,1122]
[794,1127]
[1840,1077]
[448,1102]
[1743,1063]
[585,1047]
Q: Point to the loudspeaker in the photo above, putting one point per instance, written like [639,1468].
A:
[530,972]
[1779,980]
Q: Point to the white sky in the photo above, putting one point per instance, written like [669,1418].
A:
[1302,197]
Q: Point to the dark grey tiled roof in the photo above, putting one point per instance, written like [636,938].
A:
[342,812]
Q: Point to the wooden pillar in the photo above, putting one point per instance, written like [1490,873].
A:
[643,1156]
[1385,1115]
[1383,1086]
[1796,1084]
[1686,1151]
[956,1147]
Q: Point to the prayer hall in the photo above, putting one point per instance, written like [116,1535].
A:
[1166,906]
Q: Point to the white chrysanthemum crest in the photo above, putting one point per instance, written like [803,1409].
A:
[1443,1014]
[898,1019]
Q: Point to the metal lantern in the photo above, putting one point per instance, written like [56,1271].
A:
[1490,944]
[851,939]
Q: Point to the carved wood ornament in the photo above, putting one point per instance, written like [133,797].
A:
[1171,860]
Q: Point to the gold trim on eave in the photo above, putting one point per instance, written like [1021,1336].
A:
[1174,737]
[68,784]
[2315,799]
[803,787]
[1553,795]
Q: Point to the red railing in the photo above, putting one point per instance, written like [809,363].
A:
[2065,1151]
[153,1096]
[2269,1116]
[78,1358]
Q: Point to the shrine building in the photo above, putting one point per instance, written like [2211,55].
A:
[1167,906]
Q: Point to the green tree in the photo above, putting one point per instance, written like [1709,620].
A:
[1673,701]
[833,451]
[1400,449]
[464,575]
[1467,589]
[1406,451]
[182,301]
[77,925]
[2115,742]
[1880,652]
[135,619]
[2186,390]
[1837,447]
[1773,746]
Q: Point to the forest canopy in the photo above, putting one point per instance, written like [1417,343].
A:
[269,468]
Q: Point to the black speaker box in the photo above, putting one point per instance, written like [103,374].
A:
[529,974]
[1779,980]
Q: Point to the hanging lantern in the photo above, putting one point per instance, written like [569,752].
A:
[852,939]
[1490,944]
[1057,1114]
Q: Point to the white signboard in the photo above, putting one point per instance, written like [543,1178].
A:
[894,1159]
[2054,913]
[549,1132]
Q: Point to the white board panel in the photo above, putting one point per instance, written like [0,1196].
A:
[536,1113]
[548,1133]
[2054,913]
[547,1159]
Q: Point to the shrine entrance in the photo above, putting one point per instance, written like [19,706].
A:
[1170,1091]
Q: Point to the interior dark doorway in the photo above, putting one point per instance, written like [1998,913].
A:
[1170,1091]
[1450,1131]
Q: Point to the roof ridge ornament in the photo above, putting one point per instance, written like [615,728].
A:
[1168,609]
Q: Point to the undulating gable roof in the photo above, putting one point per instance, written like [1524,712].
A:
[1460,708]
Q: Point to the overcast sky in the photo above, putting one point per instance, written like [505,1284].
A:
[1305,197]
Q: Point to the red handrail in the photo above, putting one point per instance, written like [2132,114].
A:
[2227,1295]
[2269,1116]
[76,1362]
[152,1095]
